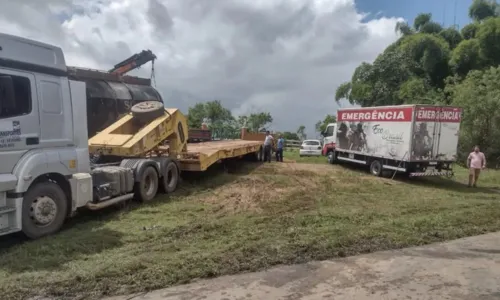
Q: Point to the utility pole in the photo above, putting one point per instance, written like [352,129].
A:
[444,14]
[455,25]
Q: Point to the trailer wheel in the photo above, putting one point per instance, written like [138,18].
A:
[147,187]
[148,110]
[170,179]
[376,168]
[44,210]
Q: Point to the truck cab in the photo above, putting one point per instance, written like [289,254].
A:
[43,136]
[330,136]
[46,173]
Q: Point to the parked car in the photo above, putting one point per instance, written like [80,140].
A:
[310,148]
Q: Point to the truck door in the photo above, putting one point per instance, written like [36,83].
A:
[56,124]
[435,134]
[19,120]
[330,134]
[446,133]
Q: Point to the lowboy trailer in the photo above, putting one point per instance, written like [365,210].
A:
[49,168]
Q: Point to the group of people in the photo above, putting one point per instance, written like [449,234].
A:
[268,147]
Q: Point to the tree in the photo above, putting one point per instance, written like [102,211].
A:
[429,55]
[431,27]
[469,31]
[257,121]
[301,132]
[343,92]
[287,135]
[466,57]
[488,36]
[212,112]
[321,125]
[478,96]
[421,20]
[452,36]
[482,9]
[415,90]
[242,121]
[403,28]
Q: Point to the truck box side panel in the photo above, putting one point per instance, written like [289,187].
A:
[376,131]
[435,136]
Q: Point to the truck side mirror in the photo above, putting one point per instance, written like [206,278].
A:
[7,95]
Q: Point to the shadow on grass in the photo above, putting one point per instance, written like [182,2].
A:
[448,184]
[218,174]
[72,245]
[430,182]
[215,176]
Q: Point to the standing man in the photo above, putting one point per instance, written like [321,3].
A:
[279,150]
[475,162]
[268,144]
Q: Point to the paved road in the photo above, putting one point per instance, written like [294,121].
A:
[463,269]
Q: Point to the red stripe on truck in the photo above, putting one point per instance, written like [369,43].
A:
[438,114]
[389,114]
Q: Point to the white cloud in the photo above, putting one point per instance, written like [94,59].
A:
[283,56]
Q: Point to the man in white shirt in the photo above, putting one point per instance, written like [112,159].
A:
[268,144]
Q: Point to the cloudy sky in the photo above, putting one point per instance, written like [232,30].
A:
[282,56]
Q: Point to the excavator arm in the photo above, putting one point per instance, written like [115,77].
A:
[133,62]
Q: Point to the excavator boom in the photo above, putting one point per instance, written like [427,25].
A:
[133,62]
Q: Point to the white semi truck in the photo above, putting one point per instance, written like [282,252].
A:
[420,140]
[46,173]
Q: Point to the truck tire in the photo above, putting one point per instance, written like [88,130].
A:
[148,110]
[376,168]
[170,178]
[331,157]
[147,187]
[44,210]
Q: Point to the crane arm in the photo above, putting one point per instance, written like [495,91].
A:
[133,62]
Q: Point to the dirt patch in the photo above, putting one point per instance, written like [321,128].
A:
[268,183]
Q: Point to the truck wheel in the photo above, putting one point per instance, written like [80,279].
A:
[376,168]
[148,110]
[331,157]
[145,190]
[44,210]
[171,178]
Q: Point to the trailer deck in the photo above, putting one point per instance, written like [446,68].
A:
[200,156]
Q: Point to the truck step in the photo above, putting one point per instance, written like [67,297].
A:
[435,173]
[6,209]
[8,230]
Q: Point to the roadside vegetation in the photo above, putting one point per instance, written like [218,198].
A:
[249,218]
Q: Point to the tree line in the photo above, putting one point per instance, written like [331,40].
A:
[220,119]
[430,64]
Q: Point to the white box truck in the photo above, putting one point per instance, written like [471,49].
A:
[420,140]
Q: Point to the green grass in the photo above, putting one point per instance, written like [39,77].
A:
[246,220]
